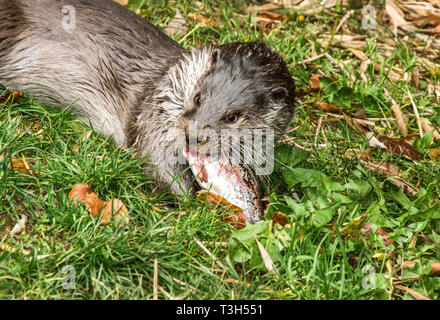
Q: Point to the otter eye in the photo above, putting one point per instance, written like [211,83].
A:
[231,118]
[197,100]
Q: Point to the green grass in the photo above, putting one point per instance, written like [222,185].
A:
[312,259]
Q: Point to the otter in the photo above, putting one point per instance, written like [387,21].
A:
[129,80]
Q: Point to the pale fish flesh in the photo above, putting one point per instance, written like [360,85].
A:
[236,184]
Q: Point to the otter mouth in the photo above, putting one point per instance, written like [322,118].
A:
[229,181]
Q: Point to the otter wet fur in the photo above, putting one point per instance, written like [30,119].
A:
[129,80]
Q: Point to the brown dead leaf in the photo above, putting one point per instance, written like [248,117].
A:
[392,171]
[85,136]
[427,127]
[236,217]
[404,265]
[399,147]
[434,153]
[401,119]
[202,19]
[235,281]
[360,114]
[237,220]
[11,97]
[20,165]
[328,107]
[94,204]
[115,209]
[435,267]
[280,218]
[220,200]
[391,73]
[397,16]
[314,81]
[354,123]
[363,155]
[271,17]
[417,295]
[385,235]
[79,192]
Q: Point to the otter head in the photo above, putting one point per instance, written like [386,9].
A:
[233,88]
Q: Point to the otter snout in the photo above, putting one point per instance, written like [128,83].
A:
[195,136]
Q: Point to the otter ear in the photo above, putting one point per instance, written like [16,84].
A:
[278,94]
[215,56]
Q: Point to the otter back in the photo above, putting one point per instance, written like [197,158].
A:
[95,55]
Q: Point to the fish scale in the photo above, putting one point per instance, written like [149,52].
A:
[235,183]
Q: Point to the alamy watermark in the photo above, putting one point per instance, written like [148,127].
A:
[369,281]
[69,19]
[69,281]
[369,17]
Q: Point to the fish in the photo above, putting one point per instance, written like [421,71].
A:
[237,184]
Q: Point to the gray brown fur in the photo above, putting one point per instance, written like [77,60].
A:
[128,79]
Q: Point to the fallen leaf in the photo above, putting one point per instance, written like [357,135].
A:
[401,119]
[201,18]
[362,155]
[115,209]
[374,142]
[11,97]
[399,147]
[94,204]
[434,153]
[267,260]
[404,265]
[79,192]
[392,171]
[435,267]
[427,127]
[235,281]
[280,218]
[271,17]
[417,295]
[328,107]
[385,235]
[315,84]
[20,165]
[360,114]
[220,200]
[354,123]
[397,17]
[236,218]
